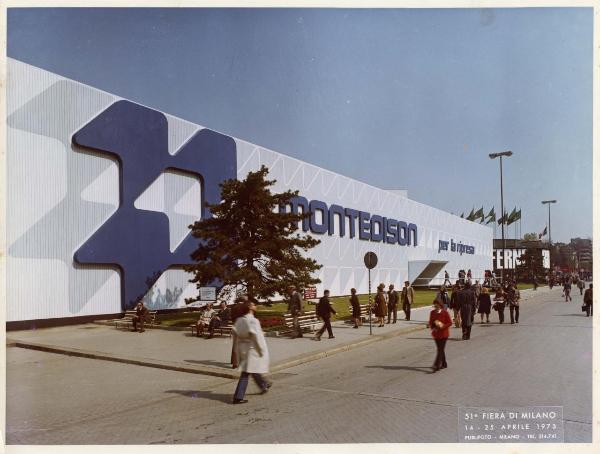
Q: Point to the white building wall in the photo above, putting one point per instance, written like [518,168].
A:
[58,195]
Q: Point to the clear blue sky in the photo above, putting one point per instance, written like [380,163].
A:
[408,98]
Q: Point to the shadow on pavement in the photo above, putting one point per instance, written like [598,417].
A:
[429,339]
[582,314]
[209,362]
[423,369]
[194,394]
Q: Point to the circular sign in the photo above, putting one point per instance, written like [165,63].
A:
[370,260]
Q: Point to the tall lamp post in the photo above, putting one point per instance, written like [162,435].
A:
[494,156]
[549,202]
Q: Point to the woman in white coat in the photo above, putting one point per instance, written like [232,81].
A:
[252,352]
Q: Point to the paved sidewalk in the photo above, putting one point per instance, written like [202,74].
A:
[179,351]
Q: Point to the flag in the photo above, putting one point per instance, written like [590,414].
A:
[462,215]
[479,214]
[491,216]
[471,214]
[543,233]
[517,215]
[511,217]
[503,219]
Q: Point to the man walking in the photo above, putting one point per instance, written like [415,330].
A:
[238,310]
[407,297]
[465,299]
[512,297]
[295,308]
[392,303]
[141,313]
[580,286]
[252,351]
[324,310]
[447,278]
[588,300]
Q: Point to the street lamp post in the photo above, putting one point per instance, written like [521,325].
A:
[494,156]
[549,202]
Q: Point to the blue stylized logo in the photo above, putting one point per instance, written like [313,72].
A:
[137,241]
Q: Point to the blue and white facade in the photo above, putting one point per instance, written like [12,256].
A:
[100,192]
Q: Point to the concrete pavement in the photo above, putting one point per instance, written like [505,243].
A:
[381,393]
[179,351]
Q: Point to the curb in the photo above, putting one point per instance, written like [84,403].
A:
[205,370]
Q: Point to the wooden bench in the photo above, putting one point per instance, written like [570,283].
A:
[364,311]
[127,319]
[307,320]
[222,330]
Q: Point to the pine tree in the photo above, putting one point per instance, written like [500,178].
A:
[250,243]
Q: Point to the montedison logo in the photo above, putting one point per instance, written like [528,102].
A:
[137,241]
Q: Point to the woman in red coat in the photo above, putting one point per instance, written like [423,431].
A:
[440,323]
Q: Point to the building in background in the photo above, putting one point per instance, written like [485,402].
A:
[101,191]
[521,259]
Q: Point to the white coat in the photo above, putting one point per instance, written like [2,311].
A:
[249,339]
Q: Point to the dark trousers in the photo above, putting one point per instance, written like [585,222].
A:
[326,325]
[135,320]
[501,314]
[406,309]
[240,391]
[514,313]
[440,359]
[234,358]
[466,331]
[214,324]
[392,313]
[589,309]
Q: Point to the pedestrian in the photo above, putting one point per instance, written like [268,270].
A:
[461,277]
[221,318]
[238,310]
[469,276]
[440,323]
[407,297]
[295,308]
[512,298]
[535,282]
[204,320]
[485,304]
[442,295]
[356,316]
[567,289]
[499,304]
[141,314]
[454,304]
[466,303]
[588,301]
[392,307]
[252,351]
[447,278]
[580,286]
[380,308]
[324,310]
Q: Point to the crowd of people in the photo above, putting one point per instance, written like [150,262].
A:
[457,305]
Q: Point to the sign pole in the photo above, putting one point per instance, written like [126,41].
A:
[370,262]
[370,307]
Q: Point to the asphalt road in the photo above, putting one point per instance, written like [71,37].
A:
[381,393]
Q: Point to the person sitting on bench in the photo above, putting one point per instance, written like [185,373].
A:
[141,313]
[219,319]
[205,318]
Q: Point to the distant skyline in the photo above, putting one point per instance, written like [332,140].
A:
[410,99]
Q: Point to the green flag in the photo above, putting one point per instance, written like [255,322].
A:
[518,215]
[491,216]
[471,214]
[462,215]
[512,216]
[479,214]
[503,219]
